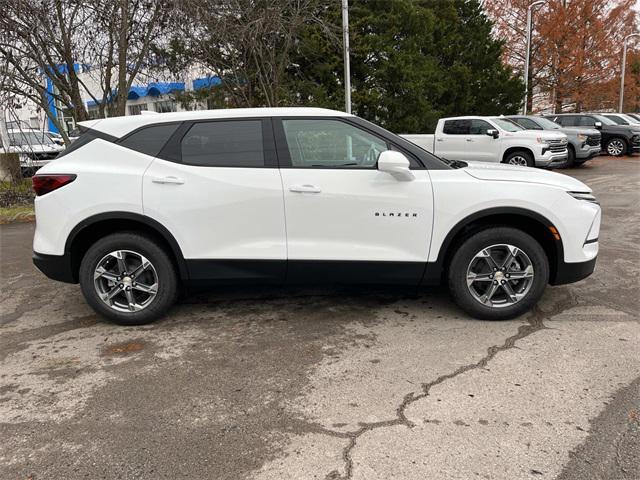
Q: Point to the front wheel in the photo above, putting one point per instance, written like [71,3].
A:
[498,273]
[616,147]
[128,278]
[520,158]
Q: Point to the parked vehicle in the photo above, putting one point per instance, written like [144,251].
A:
[617,140]
[140,206]
[634,115]
[493,139]
[36,149]
[621,118]
[584,143]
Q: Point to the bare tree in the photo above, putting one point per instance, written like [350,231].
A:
[55,40]
[248,43]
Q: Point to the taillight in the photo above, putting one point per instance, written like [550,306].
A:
[48,183]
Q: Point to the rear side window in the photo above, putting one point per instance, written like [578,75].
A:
[568,121]
[456,127]
[150,140]
[527,123]
[237,143]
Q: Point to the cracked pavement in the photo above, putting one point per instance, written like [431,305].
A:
[330,383]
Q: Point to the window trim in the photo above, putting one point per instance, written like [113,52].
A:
[172,151]
[284,157]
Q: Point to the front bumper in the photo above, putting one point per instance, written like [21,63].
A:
[551,159]
[587,152]
[572,272]
[56,267]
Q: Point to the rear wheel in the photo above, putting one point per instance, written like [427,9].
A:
[519,157]
[128,278]
[616,147]
[498,273]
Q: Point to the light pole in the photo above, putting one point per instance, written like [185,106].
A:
[345,43]
[624,67]
[528,54]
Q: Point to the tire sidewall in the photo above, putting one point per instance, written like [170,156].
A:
[521,153]
[457,274]
[165,270]
[624,146]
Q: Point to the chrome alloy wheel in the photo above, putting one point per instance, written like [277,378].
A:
[518,160]
[615,147]
[500,275]
[125,281]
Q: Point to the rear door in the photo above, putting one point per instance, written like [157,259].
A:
[347,221]
[452,143]
[217,188]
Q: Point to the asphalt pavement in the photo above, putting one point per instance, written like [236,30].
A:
[330,383]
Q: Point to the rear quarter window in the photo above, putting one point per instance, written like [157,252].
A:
[151,139]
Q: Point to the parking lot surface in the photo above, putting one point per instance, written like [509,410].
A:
[341,383]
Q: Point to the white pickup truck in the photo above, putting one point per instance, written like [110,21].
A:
[493,139]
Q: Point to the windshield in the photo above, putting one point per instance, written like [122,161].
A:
[547,124]
[507,125]
[30,138]
[604,120]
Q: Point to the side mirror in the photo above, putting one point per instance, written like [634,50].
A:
[598,125]
[492,132]
[396,165]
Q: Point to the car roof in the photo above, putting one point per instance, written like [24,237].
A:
[119,126]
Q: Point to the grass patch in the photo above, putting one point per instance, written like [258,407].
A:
[23,186]
[17,213]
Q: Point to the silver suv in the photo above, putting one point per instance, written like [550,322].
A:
[584,143]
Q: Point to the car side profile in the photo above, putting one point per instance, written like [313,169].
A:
[494,139]
[141,207]
[617,140]
[584,143]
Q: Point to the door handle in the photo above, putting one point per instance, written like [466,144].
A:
[170,179]
[439,139]
[469,139]
[306,188]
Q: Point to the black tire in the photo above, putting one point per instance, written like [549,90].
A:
[464,255]
[167,281]
[571,158]
[616,147]
[519,156]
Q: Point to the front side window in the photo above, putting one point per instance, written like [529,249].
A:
[479,127]
[456,127]
[236,143]
[568,121]
[331,144]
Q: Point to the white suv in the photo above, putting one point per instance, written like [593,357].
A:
[142,206]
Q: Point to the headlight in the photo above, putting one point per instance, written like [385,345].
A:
[582,138]
[586,196]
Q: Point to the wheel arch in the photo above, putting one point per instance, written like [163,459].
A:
[533,223]
[84,234]
[510,150]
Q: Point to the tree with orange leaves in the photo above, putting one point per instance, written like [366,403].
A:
[576,49]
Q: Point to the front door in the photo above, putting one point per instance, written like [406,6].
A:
[480,146]
[346,221]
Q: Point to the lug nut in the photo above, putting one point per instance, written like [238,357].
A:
[503,282]
[121,285]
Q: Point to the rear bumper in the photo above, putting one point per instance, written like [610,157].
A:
[573,272]
[56,267]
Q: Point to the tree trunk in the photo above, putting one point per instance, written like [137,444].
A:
[10,168]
